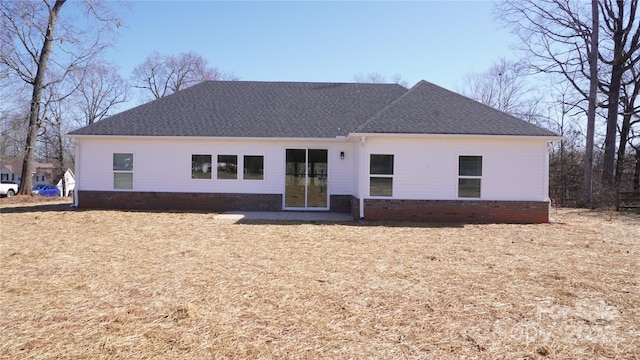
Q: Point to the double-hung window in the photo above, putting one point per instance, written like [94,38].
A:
[123,171]
[381,175]
[469,176]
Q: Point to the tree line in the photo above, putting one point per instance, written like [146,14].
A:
[56,78]
[578,75]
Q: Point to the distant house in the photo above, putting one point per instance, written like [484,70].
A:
[66,183]
[11,170]
[378,151]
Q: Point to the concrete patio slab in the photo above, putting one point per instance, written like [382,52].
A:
[285,216]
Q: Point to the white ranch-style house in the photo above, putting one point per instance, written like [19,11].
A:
[377,151]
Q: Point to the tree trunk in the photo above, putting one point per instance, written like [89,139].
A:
[563,186]
[636,174]
[608,160]
[60,157]
[34,113]
[624,137]
[617,70]
[591,112]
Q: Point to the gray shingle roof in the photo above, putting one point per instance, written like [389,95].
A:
[309,110]
[429,109]
[253,109]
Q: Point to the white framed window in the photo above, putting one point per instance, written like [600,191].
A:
[200,166]
[469,176]
[123,171]
[253,167]
[227,167]
[381,175]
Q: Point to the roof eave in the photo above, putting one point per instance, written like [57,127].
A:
[357,136]
[207,138]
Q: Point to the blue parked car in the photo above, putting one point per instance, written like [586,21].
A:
[45,190]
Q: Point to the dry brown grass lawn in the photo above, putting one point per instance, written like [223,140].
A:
[136,285]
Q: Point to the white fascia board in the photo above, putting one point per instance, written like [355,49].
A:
[358,136]
[207,138]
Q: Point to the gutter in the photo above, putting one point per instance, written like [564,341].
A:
[337,139]
[356,136]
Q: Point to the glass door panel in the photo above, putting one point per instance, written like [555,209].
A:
[317,173]
[306,179]
[295,178]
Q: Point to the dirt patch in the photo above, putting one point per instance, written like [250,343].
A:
[110,284]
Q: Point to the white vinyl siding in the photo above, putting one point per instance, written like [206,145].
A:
[427,168]
[165,165]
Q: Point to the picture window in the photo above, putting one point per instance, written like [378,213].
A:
[227,167]
[201,166]
[253,167]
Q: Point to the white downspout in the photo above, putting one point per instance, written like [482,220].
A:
[76,201]
[550,145]
[548,148]
[362,177]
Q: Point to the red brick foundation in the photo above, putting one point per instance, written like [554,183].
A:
[445,211]
[215,202]
[453,211]
[178,201]
[355,207]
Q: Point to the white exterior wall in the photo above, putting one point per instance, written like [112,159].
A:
[427,167]
[164,165]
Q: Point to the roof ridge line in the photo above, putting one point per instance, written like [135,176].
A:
[483,104]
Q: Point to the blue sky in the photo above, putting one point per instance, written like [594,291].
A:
[438,41]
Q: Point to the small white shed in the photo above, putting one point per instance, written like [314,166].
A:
[69,183]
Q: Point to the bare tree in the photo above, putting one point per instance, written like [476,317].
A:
[592,55]
[557,37]
[52,132]
[57,111]
[99,89]
[12,14]
[13,130]
[630,119]
[165,74]
[504,87]
[565,167]
[29,32]
[624,56]
[377,78]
